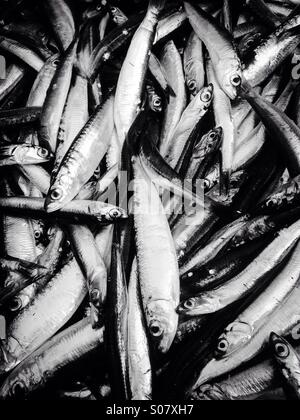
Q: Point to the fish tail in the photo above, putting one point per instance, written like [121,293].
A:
[158,5]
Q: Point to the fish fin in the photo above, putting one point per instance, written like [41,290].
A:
[157,4]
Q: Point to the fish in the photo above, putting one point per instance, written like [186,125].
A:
[82,158]
[159,298]
[67,347]
[289,364]
[22,52]
[62,21]
[56,98]
[131,80]
[246,281]
[248,322]
[271,52]
[227,65]
[139,363]
[193,113]
[223,117]
[172,64]
[284,321]
[149,229]
[97,211]
[23,154]
[194,64]
[14,117]
[117,330]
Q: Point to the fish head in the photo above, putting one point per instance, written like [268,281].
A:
[115,213]
[230,78]
[208,143]
[235,336]
[200,305]
[95,10]
[214,369]
[21,381]
[13,389]
[206,95]
[192,86]
[162,322]
[209,392]
[35,154]
[62,191]
[285,354]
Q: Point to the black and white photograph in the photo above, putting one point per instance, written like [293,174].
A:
[149,203]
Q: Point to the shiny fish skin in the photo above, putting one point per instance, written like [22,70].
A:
[194,64]
[190,117]
[23,154]
[140,372]
[283,321]
[83,157]
[248,322]
[56,98]
[225,60]
[14,74]
[132,76]
[248,279]
[280,126]
[271,52]
[149,211]
[93,268]
[171,62]
[19,116]
[50,310]
[67,347]
[289,365]
[223,117]
[23,53]
[62,21]
[152,228]
[78,209]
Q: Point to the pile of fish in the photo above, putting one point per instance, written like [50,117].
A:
[149,199]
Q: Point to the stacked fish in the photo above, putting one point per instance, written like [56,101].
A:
[149,199]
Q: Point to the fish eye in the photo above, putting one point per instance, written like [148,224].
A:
[37,234]
[97,171]
[282,350]
[56,194]
[206,184]
[157,103]
[18,390]
[55,62]
[212,135]
[113,9]
[115,213]
[189,303]
[222,346]
[155,329]
[95,295]
[42,152]
[236,80]
[99,7]
[206,96]
[192,85]
[271,203]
